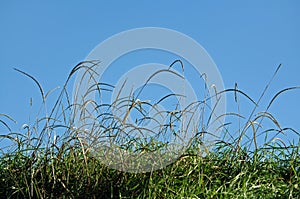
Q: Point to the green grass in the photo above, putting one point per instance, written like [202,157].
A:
[42,164]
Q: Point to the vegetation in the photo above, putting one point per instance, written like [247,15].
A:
[51,160]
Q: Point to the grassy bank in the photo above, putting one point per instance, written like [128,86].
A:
[50,160]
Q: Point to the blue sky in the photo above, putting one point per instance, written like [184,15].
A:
[247,41]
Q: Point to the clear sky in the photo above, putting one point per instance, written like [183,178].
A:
[247,41]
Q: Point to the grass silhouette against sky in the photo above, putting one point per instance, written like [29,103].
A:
[247,41]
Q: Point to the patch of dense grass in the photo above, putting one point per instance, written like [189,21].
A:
[45,165]
[225,173]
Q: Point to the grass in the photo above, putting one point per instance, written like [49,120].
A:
[51,160]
